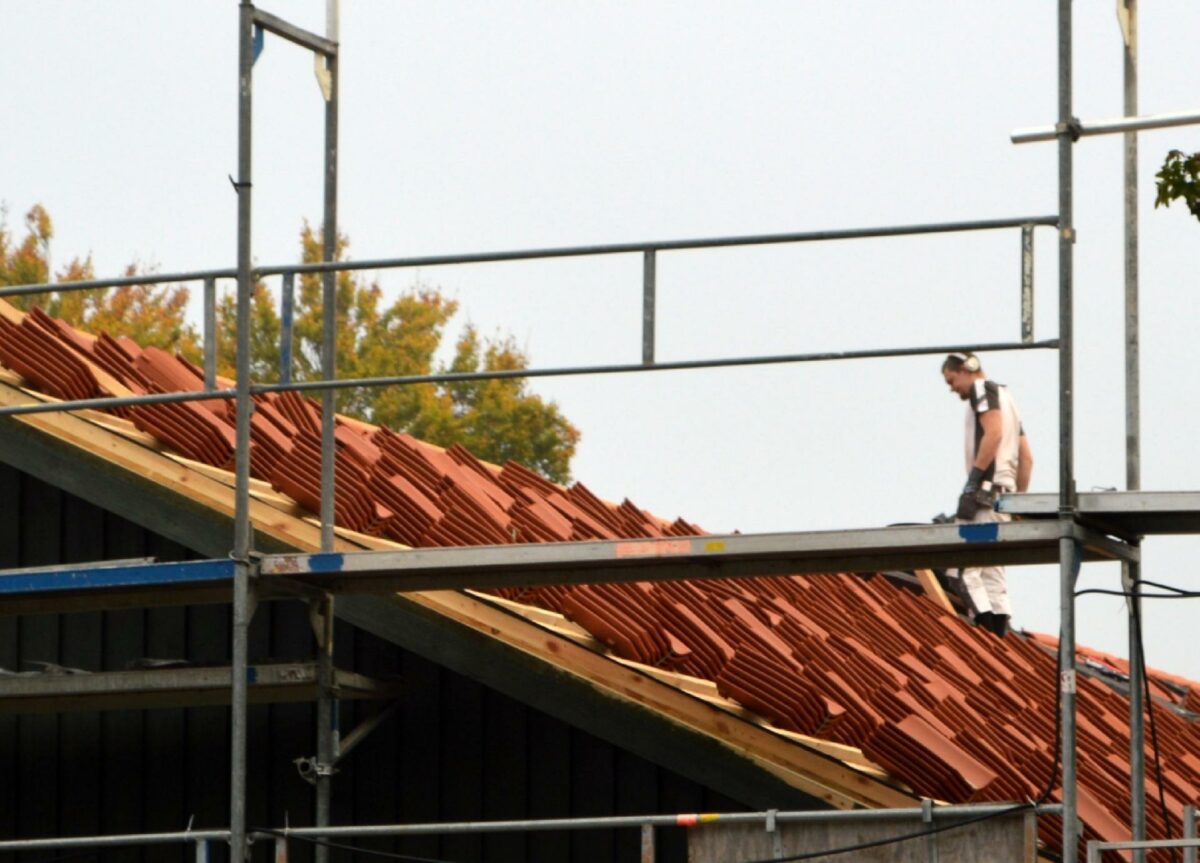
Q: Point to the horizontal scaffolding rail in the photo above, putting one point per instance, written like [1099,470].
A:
[682,819]
[296,35]
[564,371]
[535,254]
[1095,849]
[717,556]
[1130,513]
[817,816]
[1115,126]
[113,840]
[269,683]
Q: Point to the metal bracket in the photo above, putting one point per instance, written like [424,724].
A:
[311,769]
[320,616]
[776,837]
[362,730]
[1097,541]
[324,78]
[254,566]
[1072,127]
[1124,17]
[931,848]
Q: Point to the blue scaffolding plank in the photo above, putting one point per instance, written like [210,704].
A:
[116,585]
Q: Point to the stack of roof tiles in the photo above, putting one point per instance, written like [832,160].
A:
[955,713]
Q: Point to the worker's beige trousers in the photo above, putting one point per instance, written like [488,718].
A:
[987,585]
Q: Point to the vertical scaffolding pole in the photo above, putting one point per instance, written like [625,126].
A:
[1131,572]
[326,722]
[649,286]
[242,599]
[329,295]
[1189,832]
[1069,551]
[1027,284]
[210,334]
[326,705]
[287,305]
[648,852]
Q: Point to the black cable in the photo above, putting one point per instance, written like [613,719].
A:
[1129,593]
[341,847]
[1174,592]
[1162,800]
[930,831]
[1161,586]
[892,840]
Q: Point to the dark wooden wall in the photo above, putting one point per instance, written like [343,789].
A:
[455,751]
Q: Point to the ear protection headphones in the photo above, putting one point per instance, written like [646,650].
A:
[970,362]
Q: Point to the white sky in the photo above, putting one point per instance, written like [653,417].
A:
[474,126]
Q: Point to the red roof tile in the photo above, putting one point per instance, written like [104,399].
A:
[951,711]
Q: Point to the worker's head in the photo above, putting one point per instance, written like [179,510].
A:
[960,370]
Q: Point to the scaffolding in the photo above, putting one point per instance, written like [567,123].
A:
[1067,527]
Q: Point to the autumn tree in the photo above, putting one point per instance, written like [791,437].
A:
[148,314]
[495,419]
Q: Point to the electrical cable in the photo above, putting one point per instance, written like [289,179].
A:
[1128,593]
[1161,586]
[1174,592]
[930,831]
[893,840]
[1162,800]
[353,848]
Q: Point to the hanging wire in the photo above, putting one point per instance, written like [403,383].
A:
[1051,781]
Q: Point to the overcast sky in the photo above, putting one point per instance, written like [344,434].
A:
[504,125]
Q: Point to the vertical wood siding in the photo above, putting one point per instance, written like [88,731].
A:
[455,750]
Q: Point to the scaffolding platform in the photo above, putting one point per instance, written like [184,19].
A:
[180,686]
[903,547]
[1127,513]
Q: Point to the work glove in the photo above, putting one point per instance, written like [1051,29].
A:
[974,497]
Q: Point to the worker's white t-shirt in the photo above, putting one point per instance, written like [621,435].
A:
[987,396]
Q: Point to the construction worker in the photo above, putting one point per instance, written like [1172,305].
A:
[999,461]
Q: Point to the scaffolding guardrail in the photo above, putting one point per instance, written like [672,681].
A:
[1071,536]
[648,824]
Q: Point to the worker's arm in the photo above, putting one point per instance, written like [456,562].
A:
[973,496]
[1024,462]
[992,429]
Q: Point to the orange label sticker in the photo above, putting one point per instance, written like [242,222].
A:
[654,548]
[693,820]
